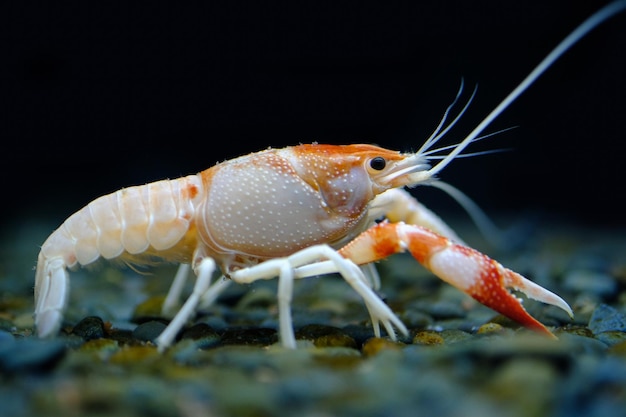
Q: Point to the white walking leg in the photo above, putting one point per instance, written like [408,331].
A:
[172,300]
[204,272]
[215,290]
[303,263]
[285,294]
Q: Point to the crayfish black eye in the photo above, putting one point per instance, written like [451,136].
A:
[378,163]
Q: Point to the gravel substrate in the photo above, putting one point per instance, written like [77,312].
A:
[460,357]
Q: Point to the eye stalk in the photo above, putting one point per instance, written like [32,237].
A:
[378,163]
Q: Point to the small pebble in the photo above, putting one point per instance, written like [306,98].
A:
[122,336]
[29,355]
[149,331]
[452,336]
[428,338]
[89,328]
[358,332]
[203,335]
[335,340]
[375,345]
[325,336]
[187,352]
[490,328]
[611,337]
[583,344]
[605,318]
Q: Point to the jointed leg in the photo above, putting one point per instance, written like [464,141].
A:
[172,299]
[214,291]
[293,267]
[204,271]
[285,293]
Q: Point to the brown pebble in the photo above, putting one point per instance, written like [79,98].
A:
[428,338]
[375,345]
[335,340]
[490,328]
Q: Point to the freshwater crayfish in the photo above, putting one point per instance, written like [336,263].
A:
[290,213]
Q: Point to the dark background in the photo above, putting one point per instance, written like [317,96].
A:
[96,97]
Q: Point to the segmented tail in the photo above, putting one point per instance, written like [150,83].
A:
[51,294]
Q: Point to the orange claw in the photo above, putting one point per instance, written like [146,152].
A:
[470,271]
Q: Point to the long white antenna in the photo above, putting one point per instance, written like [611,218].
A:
[589,24]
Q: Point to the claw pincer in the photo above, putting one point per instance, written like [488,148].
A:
[472,272]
